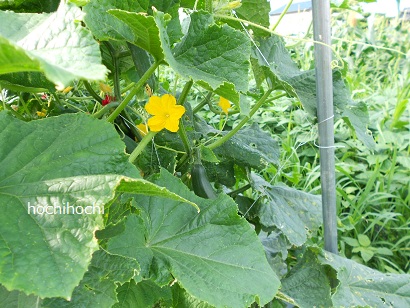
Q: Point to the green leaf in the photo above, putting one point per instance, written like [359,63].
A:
[33,82]
[276,250]
[182,299]
[145,293]
[103,25]
[129,185]
[383,251]
[222,172]
[256,11]
[50,43]
[79,2]
[30,6]
[362,286]
[365,252]
[217,57]
[244,105]
[363,240]
[252,147]
[164,158]
[145,31]
[357,117]
[171,7]
[307,283]
[294,212]
[17,299]
[98,287]
[208,155]
[276,65]
[351,241]
[70,160]
[215,255]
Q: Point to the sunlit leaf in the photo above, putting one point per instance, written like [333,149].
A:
[214,255]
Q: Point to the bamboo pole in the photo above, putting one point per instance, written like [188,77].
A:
[324,90]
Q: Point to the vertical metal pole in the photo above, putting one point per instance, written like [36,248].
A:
[324,90]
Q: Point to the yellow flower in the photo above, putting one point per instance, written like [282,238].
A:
[105,88]
[68,89]
[142,129]
[166,113]
[224,104]
[234,4]
[42,113]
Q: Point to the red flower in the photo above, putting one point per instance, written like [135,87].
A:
[108,99]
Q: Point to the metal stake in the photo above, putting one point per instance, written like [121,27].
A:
[324,90]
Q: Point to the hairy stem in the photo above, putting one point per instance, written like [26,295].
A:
[92,92]
[182,131]
[202,103]
[141,146]
[245,120]
[283,14]
[114,56]
[134,90]
[99,114]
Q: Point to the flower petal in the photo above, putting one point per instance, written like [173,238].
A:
[172,125]
[168,101]
[156,123]
[224,104]
[154,106]
[177,111]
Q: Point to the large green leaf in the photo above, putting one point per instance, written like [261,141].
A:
[103,25]
[70,160]
[252,147]
[33,82]
[276,248]
[215,255]
[171,7]
[276,64]
[217,57]
[307,283]
[357,117]
[182,299]
[55,44]
[98,286]
[14,58]
[145,31]
[256,11]
[145,293]
[294,212]
[362,286]
[17,299]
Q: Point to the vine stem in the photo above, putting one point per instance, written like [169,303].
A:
[104,110]
[114,56]
[182,131]
[134,90]
[283,14]
[141,146]
[245,120]
[202,103]
[92,92]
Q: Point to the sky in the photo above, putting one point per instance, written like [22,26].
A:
[388,7]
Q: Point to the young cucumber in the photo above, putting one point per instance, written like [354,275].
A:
[200,183]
